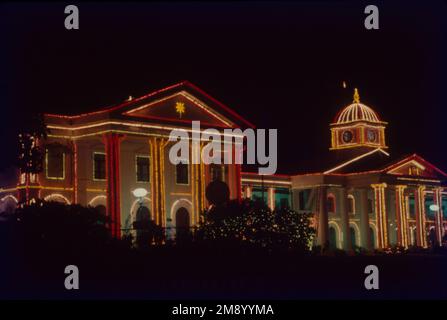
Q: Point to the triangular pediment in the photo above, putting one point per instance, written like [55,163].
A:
[181,107]
[415,166]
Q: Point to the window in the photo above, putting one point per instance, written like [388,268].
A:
[181,173]
[99,166]
[282,198]
[411,207]
[55,163]
[331,203]
[142,163]
[351,204]
[303,198]
[260,194]
[217,172]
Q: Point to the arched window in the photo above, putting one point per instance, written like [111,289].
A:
[334,235]
[354,232]
[330,203]
[351,204]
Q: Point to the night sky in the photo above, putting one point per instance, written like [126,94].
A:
[280,65]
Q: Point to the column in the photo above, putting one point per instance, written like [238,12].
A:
[157,177]
[365,231]
[75,172]
[345,219]
[323,223]
[271,198]
[238,182]
[419,201]
[248,191]
[401,217]
[381,215]
[437,196]
[112,148]
[197,182]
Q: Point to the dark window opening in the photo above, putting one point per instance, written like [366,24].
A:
[181,170]
[142,169]
[99,166]
[55,163]
[331,204]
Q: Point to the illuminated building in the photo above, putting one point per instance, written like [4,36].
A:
[364,198]
[99,158]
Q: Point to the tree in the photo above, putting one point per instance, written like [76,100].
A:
[30,153]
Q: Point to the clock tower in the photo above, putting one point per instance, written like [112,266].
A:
[357,126]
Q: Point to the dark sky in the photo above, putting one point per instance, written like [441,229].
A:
[280,65]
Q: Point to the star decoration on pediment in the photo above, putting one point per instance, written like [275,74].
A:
[180,108]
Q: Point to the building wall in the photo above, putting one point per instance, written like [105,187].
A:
[94,192]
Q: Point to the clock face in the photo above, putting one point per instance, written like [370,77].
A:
[347,136]
[372,136]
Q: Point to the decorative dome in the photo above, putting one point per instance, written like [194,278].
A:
[356,112]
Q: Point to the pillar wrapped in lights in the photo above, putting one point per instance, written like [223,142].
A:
[438,215]
[381,214]
[112,147]
[271,198]
[401,217]
[421,234]
[198,183]
[157,178]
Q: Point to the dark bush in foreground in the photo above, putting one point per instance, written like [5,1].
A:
[254,223]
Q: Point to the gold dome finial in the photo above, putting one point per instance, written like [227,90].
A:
[356,96]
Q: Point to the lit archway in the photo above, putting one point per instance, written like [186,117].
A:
[98,200]
[334,236]
[171,220]
[355,234]
[136,204]
[8,204]
[57,197]
[185,203]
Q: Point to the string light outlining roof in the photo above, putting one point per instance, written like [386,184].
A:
[357,112]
